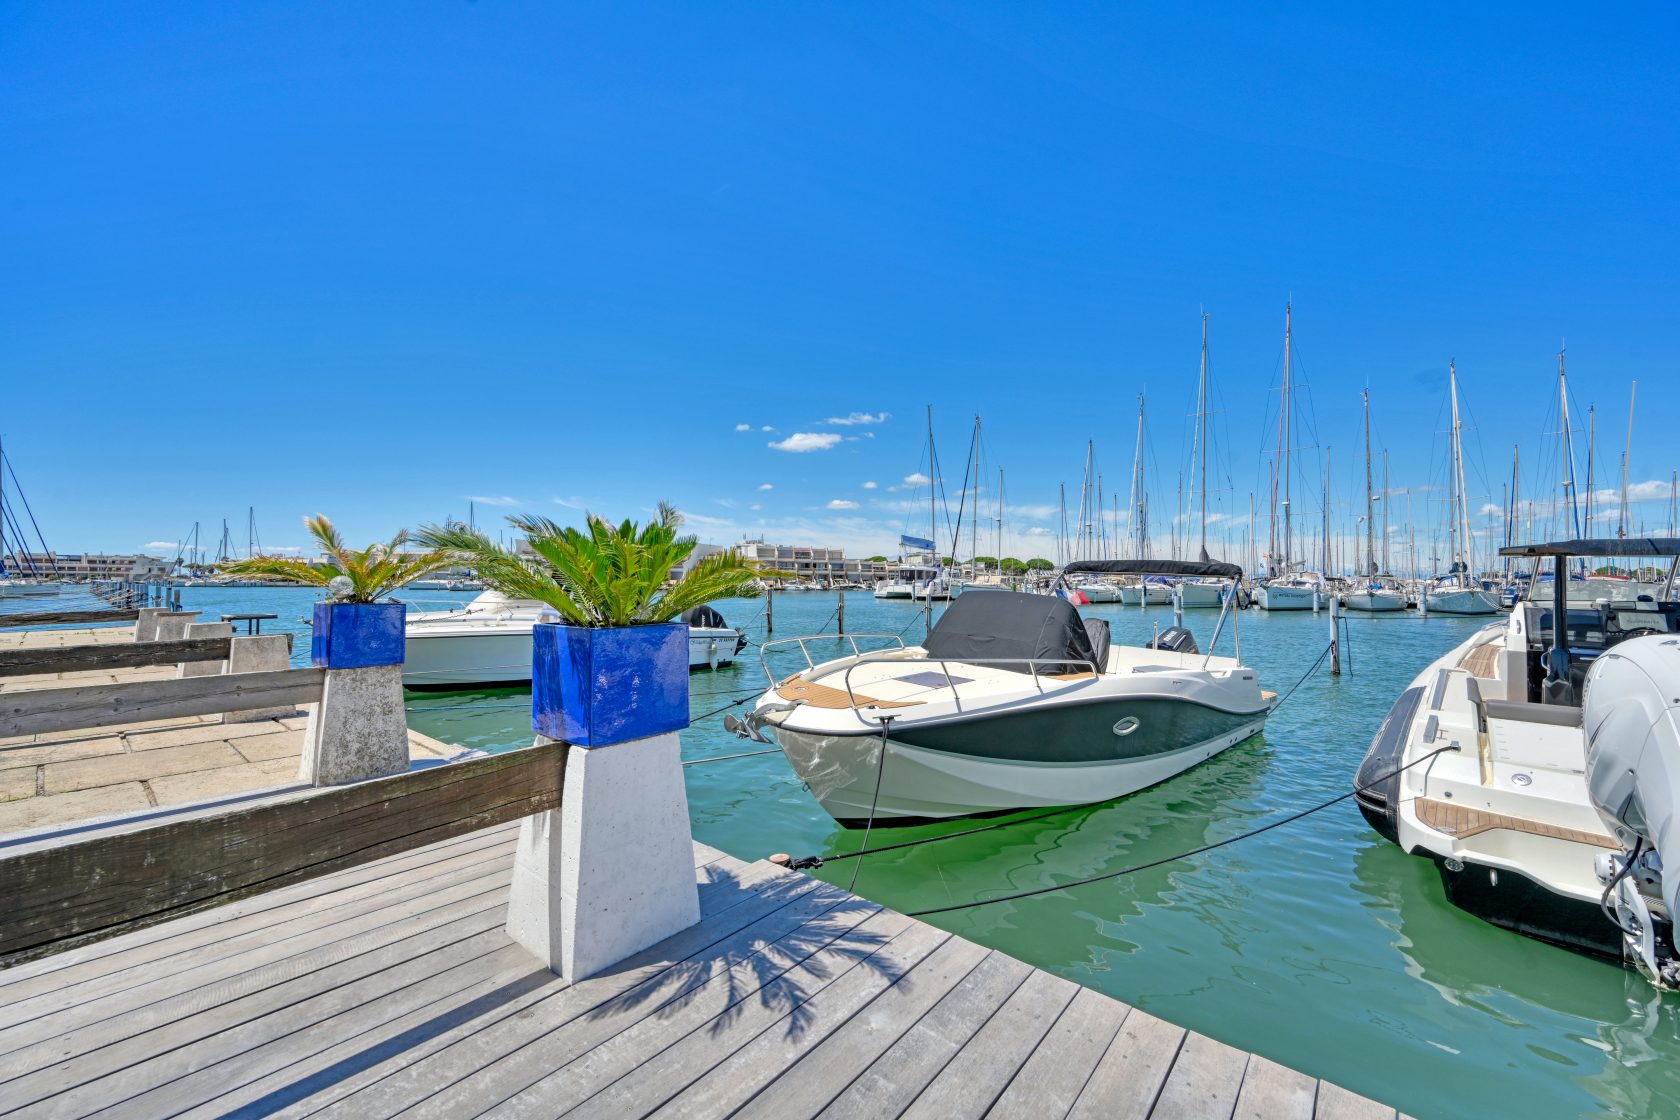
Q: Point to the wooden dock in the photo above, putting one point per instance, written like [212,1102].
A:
[392,988]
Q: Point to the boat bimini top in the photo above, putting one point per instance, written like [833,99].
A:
[1213,569]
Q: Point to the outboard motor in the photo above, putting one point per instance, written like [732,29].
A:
[1631,716]
[1175,639]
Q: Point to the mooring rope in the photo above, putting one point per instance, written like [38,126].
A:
[1279,823]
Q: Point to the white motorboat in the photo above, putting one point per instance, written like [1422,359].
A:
[488,642]
[1534,764]
[1013,701]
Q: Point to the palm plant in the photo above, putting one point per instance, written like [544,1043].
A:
[611,575]
[373,572]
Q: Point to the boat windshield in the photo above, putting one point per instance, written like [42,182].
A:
[1613,583]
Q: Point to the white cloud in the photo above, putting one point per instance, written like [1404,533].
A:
[1487,508]
[574,502]
[494,501]
[755,507]
[150,546]
[860,418]
[767,428]
[726,503]
[765,486]
[1037,531]
[743,427]
[871,485]
[841,503]
[806,441]
[917,479]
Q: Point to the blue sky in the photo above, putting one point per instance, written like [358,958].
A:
[374,260]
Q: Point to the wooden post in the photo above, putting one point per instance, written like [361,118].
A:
[840,612]
[769,610]
[1335,637]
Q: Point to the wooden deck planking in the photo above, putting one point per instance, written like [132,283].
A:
[392,989]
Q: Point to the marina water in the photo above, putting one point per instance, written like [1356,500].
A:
[1317,944]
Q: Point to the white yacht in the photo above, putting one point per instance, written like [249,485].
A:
[1013,701]
[1375,595]
[1098,590]
[1534,764]
[1146,593]
[488,642]
[1200,593]
[1454,595]
[919,579]
[1302,592]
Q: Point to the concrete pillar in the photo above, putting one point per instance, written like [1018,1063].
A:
[172,625]
[259,653]
[359,730]
[205,668]
[611,871]
[146,626]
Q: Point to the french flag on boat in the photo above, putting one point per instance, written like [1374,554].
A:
[1074,596]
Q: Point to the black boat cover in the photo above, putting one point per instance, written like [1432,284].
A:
[704,617]
[1217,569]
[982,625]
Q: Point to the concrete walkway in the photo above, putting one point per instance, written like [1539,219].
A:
[75,775]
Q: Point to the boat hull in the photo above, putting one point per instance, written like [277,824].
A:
[1463,601]
[1269,597]
[1196,595]
[503,657]
[1375,602]
[1067,755]
[1150,595]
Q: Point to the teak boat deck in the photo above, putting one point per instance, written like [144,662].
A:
[394,988]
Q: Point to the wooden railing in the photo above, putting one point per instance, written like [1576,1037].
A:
[66,890]
[61,618]
[113,655]
[46,710]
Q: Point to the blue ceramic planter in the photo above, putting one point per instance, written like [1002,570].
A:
[357,635]
[594,688]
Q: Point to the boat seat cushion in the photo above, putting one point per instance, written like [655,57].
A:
[1557,715]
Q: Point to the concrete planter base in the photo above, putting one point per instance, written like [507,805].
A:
[359,729]
[611,871]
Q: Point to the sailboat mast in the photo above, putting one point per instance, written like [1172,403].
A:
[1140,500]
[1370,505]
[1000,523]
[1592,454]
[1385,565]
[1568,451]
[1461,506]
[1201,436]
[1284,440]
[1627,453]
[933,490]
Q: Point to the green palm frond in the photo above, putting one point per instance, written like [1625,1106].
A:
[374,572]
[602,575]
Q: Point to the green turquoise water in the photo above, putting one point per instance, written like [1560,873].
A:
[1317,944]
